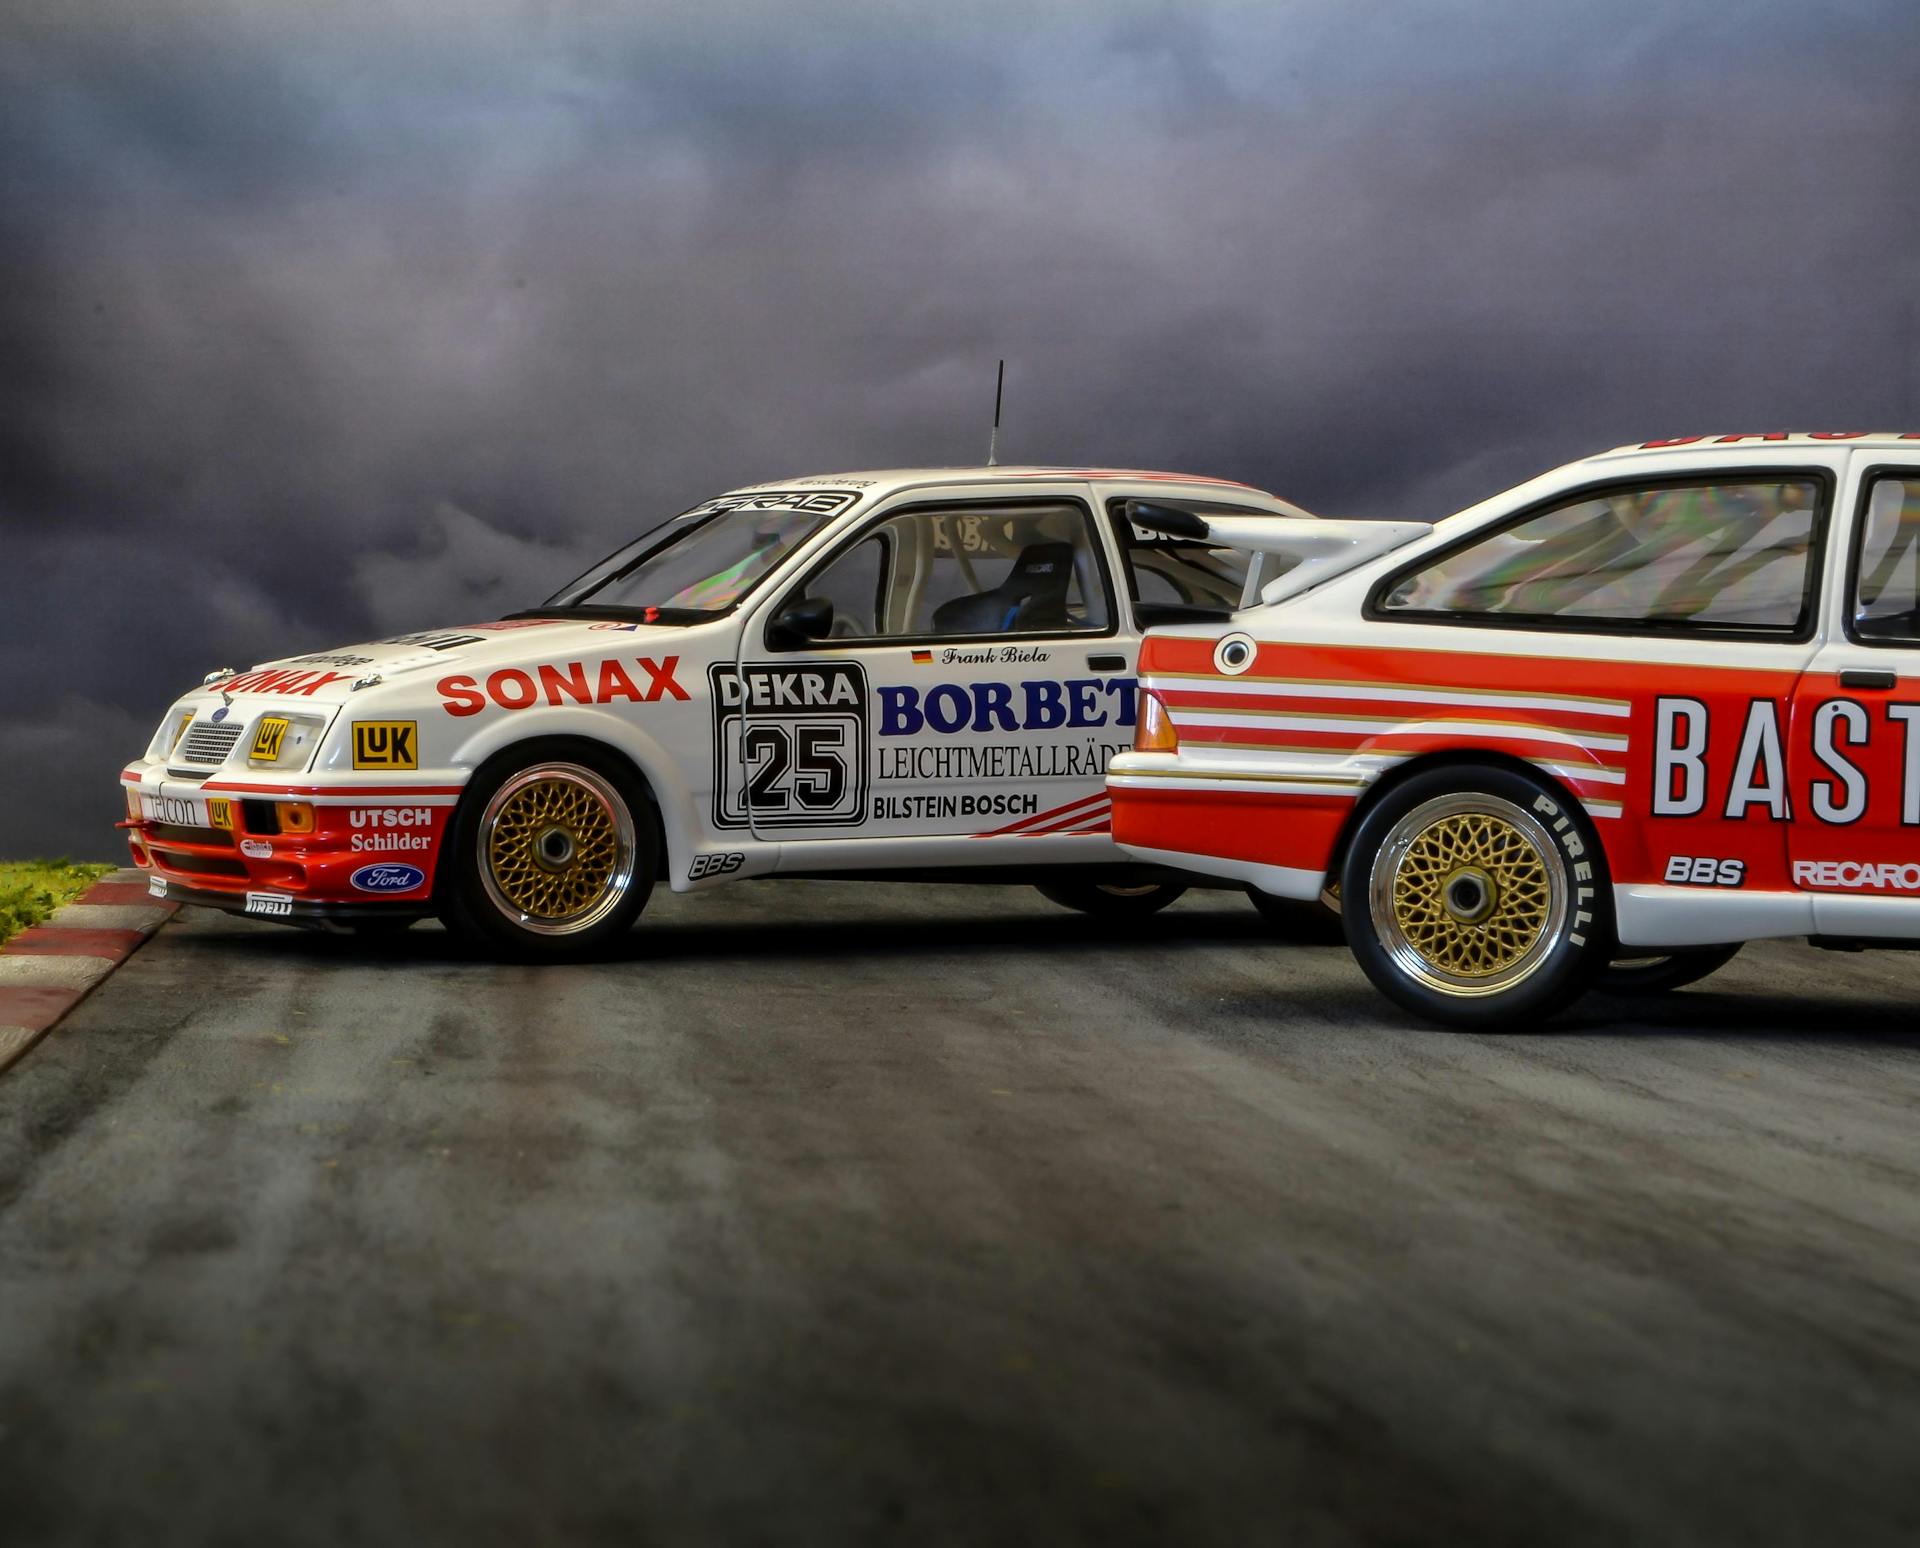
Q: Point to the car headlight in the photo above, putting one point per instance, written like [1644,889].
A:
[285,741]
[166,736]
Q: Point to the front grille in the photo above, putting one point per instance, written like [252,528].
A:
[197,865]
[208,744]
[173,832]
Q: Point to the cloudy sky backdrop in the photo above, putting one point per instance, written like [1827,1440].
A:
[327,321]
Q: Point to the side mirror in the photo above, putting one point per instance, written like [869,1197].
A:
[800,620]
[1166,520]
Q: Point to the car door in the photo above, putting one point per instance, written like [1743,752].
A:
[1856,721]
[954,673]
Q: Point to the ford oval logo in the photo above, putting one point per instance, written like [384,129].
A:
[388,878]
[218,715]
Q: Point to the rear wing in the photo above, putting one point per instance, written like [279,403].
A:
[1317,547]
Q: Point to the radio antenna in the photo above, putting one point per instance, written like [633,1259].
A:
[993,440]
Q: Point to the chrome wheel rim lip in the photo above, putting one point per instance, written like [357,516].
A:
[1384,878]
[626,852]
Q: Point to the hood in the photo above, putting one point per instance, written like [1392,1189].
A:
[328,676]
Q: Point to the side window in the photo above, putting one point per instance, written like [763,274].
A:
[955,573]
[1886,578]
[1732,555]
[1180,571]
[852,583]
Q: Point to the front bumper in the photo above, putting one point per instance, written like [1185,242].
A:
[286,909]
[307,852]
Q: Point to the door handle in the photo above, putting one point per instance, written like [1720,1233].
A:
[1119,663]
[1866,677]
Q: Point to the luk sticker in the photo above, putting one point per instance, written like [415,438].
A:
[789,744]
[267,739]
[386,744]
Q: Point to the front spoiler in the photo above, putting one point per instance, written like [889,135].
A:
[302,912]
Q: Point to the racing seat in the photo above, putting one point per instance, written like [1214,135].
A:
[1033,596]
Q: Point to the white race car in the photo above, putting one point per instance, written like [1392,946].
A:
[882,674]
[1615,722]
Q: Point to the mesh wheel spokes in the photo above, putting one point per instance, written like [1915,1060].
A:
[1475,844]
[1469,894]
[557,848]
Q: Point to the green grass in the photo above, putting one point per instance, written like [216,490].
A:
[32,889]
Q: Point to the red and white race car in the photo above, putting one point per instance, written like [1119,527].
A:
[1635,712]
[881,674]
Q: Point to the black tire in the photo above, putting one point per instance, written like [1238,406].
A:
[1637,975]
[551,853]
[1299,920]
[1476,896]
[1110,900]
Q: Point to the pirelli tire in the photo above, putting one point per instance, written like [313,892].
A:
[551,853]
[1476,896]
[1117,901]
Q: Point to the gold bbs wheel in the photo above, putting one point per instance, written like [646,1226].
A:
[556,849]
[1468,894]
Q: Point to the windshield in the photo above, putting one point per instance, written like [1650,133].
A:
[703,562]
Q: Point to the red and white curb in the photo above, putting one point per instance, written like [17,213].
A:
[47,970]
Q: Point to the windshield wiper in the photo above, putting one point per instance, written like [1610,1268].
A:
[662,617]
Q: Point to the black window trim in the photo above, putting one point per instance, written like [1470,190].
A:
[1872,474]
[914,508]
[1804,629]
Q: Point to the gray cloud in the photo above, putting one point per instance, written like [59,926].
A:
[462,569]
[317,321]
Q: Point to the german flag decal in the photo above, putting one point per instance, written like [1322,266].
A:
[923,658]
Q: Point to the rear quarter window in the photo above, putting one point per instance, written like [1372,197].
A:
[1711,555]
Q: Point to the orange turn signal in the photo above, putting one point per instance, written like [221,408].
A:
[1154,731]
[294,816]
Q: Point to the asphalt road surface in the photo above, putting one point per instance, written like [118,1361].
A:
[834,1213]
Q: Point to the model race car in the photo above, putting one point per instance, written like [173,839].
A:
[918,673]
[1626,716]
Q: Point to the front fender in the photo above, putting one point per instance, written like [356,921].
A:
[674,793]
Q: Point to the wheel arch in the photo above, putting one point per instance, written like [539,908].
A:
[547,741]
[1612,843]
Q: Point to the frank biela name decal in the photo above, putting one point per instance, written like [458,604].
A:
[993,655]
